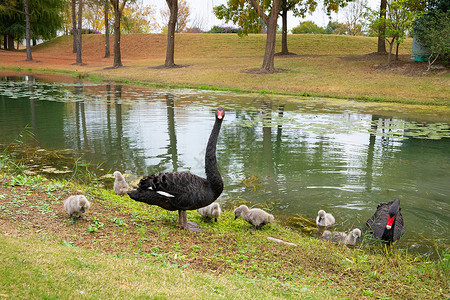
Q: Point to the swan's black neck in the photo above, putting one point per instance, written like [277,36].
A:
[212,173]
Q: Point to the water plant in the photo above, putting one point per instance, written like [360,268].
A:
[84,172]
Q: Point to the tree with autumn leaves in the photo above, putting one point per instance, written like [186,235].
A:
[129,16]
[248,14]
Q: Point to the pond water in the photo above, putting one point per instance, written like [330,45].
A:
[291,155]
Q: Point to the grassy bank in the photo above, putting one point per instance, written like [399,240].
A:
[122,248]
[325,66]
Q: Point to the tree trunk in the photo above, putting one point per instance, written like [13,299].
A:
[284,47]
[79,35]
[74,26]
[396,50]
[10,42]
[391,44]
[107,52]
[117,15]
[268,63]
[27,30]
[271,23]
[173,7]
[117,54]
[381,40]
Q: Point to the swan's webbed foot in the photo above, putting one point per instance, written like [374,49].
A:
[191,226]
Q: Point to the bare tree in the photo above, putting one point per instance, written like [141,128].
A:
[183,15]
[197,25]
[354,14]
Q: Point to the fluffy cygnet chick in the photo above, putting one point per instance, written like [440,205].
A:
[76,205]
[120,185]
[211,211]
[326,235]
[347,239]
[324,219]
[255,216]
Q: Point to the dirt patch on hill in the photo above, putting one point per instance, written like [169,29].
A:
[403,65]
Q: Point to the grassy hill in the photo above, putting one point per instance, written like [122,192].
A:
[324,65]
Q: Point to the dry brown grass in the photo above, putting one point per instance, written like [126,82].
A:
[325,65]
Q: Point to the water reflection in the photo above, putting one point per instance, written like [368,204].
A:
[295,157]
[172,149]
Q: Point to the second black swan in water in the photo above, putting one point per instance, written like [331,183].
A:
[387,222]
[182,190]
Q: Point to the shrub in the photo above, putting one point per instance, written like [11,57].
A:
[433,30]
[224,29]
[308,27]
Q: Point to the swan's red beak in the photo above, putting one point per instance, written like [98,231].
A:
[390,222]
[220,114]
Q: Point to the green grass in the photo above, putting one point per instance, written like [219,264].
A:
[43,270]
[126,249]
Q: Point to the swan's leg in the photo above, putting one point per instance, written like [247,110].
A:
[180,218]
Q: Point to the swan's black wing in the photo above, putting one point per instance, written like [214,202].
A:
[399,228]
[175,191]
[377,223]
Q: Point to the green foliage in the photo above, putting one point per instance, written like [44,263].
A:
[224,29]
[45,18]
[95,226]
[19,180]
[85,172]
[308,27]
[244,14]
[400,15]
[433,30]
[240,13]
[333,27]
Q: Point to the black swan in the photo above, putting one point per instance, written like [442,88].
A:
[387,222]
[182,190]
